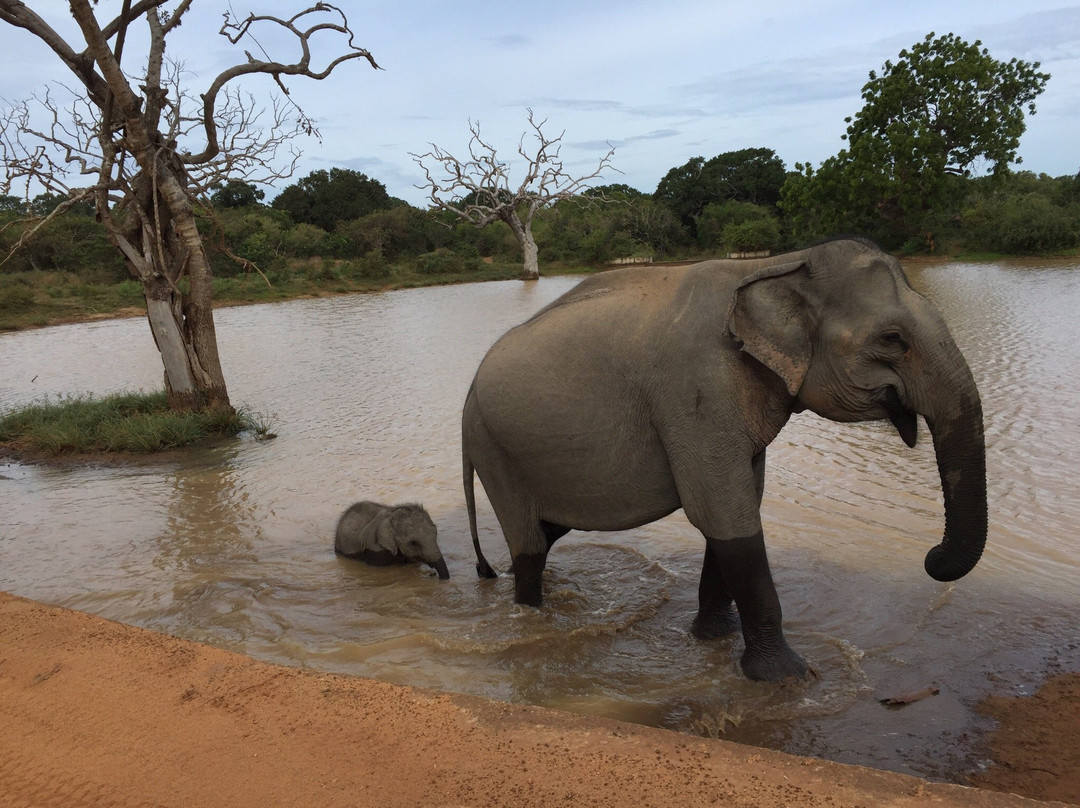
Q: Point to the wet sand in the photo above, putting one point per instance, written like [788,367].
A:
[96,713]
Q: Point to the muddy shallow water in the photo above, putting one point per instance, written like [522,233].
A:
[233,545]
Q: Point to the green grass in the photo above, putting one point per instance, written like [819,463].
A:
[136,423]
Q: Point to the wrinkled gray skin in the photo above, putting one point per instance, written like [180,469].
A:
[644,390]
[389,534]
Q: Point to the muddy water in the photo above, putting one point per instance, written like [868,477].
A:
[232,546]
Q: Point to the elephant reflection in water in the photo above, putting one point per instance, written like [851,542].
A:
[645,390]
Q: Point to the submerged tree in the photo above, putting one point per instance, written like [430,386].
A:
[145,152]
[478,190]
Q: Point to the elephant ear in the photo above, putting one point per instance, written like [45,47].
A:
[384,534]
[770,319]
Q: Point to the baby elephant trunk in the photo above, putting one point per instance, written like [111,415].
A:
[439,565]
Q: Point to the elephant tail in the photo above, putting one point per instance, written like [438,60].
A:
[483,568]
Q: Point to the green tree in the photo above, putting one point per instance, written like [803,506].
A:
[324,198]
[717,221]
[237,194]
[683,192]
[1026,224]
[944,107]
[745,175]
[929,118]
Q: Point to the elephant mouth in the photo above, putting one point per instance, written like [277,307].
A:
[905,420]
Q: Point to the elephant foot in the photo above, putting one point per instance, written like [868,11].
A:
[484,570]
[775,665]
[714,625]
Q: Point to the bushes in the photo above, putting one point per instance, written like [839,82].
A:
[738,227]
[756,235]
[444,261]
[1028,224]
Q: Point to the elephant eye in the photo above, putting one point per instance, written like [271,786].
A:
[894,340]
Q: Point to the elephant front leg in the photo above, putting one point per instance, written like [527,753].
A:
[716,615]
[744,568]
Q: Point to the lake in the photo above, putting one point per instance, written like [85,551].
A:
[233,545]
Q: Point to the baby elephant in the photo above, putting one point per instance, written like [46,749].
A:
[389,534]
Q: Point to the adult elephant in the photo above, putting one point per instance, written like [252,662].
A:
[644,390]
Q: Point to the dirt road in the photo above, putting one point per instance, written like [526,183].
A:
[95,713]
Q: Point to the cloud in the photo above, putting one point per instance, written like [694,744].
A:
[801,81]
[510,41]
[611,105]
[656,134]
[1044,36]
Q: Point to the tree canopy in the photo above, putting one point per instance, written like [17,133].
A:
[928,118]
[237,194]
[746,175]
[324,198]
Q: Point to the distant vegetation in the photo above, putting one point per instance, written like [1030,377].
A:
[905,180]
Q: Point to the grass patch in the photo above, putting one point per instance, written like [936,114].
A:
[133,423]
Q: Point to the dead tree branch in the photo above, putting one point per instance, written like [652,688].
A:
[147,151]
[478,190]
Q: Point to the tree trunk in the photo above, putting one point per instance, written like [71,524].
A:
[197,307]
[530,255]
[159,252]
[531,268]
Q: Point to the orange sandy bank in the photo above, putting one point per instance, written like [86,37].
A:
[95,713]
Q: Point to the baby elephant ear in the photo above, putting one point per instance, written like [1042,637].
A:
[769,317]
[384,533]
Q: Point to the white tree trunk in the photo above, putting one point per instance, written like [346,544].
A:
[530,270]
[170,341]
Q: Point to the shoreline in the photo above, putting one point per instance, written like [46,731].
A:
[98,712]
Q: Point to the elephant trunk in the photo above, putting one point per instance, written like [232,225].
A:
[439,565]
[961,459]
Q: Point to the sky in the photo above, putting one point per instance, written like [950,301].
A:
[661,82]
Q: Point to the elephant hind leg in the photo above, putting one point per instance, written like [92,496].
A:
[529,567]
[553,532]
[517,511]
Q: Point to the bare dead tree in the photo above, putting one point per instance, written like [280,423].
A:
[145,151]
[478,190]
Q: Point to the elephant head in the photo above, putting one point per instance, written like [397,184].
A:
[852,341]
[408,530]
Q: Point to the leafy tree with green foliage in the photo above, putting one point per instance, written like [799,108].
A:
[1027,224]
[615,191]
[237,194]
[683,191]
[324,198]
[928,119]
[745,175]
[737,227]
